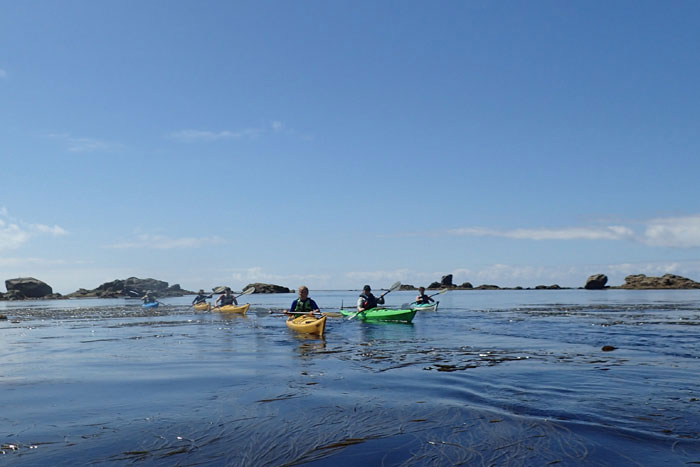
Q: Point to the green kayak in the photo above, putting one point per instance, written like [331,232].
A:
[382,314]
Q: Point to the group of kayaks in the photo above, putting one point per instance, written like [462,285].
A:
[314,324]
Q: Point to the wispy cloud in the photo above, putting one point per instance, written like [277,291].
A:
[55,230]
[673,232]
[162,242]
[385,278]
[258,274]
[207,136]
[83,144]
[14,232]
[614,232]
[33,261]
[682,232]
[192,136]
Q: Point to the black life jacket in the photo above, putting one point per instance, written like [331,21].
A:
[369,301]
[423,299]
[200,299]
[226,300]
[304,306]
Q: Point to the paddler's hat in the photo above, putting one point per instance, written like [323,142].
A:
[367,288]
[201,291]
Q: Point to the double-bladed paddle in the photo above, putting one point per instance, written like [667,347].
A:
[247,291]
[330,314]
[406,305]
[393,287]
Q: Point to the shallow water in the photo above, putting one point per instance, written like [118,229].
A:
[491,378]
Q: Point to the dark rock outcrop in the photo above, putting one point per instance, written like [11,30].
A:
[133,287]
[435,285]
[267,288]
[446,281]
[548,287]
[27,287]
[466,285]
[667,281]
[596,282]
[407,287]
[487,287]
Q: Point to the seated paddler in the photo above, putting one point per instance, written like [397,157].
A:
[422,298]
[367,300]
[201,297]
[227,298]
[303,305]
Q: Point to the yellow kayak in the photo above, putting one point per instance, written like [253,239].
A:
[204,306]
[232,308]
[307,324]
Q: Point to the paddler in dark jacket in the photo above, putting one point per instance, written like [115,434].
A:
[423,298]
[149,298]
[201,297]
[227,298]
[303,304]
[367,300]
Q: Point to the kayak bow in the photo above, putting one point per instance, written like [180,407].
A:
[383,314]
[307,324]
[232,308]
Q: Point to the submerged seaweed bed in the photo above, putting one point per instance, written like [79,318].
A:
[491,378]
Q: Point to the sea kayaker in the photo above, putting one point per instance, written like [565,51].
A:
[303,304]
[367,300]
[227,298]
[149,297]
[201,297]
[422,297]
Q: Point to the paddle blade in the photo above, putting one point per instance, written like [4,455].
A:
[248,291]
[442,291]
[393,287]
[219,289]
[332,314]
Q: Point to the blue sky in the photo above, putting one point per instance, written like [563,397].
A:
[342,143]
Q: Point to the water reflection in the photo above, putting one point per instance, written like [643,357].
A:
[309,345]
[387,331]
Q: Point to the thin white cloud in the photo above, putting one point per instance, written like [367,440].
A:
[32,261]
[614,232]
[162,242]
[207,136]
[193,136]
[12,236]
[257,274]
[672,232]
[14,233]
[385,278]
[82,144]
[55,230]
[679,232]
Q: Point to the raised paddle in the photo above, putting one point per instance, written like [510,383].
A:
[406,305]
[393,287]
[247,291]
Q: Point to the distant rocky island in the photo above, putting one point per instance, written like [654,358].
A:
[23,288]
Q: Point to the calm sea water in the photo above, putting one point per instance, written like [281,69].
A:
[491,378]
